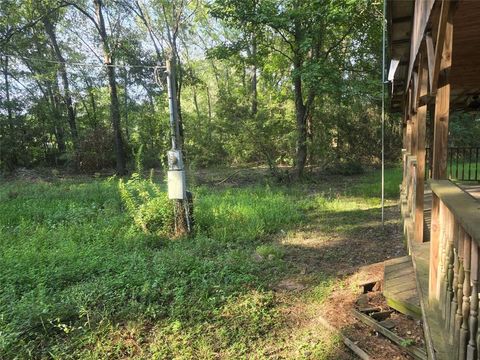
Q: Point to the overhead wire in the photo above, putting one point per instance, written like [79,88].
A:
[78,63]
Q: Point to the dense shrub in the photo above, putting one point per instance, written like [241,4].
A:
[147,205]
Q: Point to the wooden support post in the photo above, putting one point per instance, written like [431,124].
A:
[440,147]
[420,129]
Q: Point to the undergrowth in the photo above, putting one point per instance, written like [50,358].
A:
[88,270]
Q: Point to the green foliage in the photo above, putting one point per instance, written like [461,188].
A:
[73,263]
[85,275]
[345,168]
[147,205]
[464,129]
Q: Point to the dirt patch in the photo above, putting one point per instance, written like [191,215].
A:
[338,311]
[346,259]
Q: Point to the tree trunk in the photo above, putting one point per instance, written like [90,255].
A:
[112,83]
[254,77]
[57,118]
[13,157]
[67,98]
[195,102]
[301,119]
[93,103]
[7,94]
[127,131]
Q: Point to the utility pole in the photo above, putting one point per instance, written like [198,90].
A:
[177,187]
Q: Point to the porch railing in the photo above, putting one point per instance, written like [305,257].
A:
[463,163]
[454,267]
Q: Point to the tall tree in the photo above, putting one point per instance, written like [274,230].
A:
[62,69]
[109,45]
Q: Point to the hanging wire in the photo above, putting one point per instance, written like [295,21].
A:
[79,63]
[383,107]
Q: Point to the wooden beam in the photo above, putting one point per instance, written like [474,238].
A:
[440,147]
[431,58]
[413,351]
[445,14]
[442,109]
[416,93]
[401,41]
[420,151]
[401,19]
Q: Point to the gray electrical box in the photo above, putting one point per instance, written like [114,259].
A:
[176,184]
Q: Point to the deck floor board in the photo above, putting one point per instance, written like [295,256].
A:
[399,286]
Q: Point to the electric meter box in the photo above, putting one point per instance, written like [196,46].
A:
[176,184]
[175,160]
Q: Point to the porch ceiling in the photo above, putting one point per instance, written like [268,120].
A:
[399,17]
[465,71]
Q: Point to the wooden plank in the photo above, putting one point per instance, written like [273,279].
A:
[440,44]
[434,249]
[432,327]
[442,110]
[349,343]
[400,287]
[431,58]
[422,13]
[414,351]
[421,125]
[465,208]
[440,144]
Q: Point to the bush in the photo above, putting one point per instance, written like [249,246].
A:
[148,205]
[348,168]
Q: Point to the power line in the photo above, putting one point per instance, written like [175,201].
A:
[126,66]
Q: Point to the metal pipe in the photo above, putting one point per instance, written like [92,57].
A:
[383,108]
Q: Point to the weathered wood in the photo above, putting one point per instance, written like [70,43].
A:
[461,278]
[434,249]
[449,266]
[349,343]
[422,13]
[464,207]
[442,43]
[414,351]
[440,147]
[421,120]
[400,289]
[454,304]
[462,346]
[473,320]
[431,58]
[442,109]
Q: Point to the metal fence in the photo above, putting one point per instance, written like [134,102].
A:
[463,163]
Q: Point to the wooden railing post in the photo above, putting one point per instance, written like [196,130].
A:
[466,298]
[473,321]
[450,221]
[455,282]
[461,277]
[440,147]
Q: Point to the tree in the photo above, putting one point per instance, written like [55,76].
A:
[109,45]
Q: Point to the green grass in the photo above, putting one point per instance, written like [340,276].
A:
[88,270]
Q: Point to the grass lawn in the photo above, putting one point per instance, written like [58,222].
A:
[87,269]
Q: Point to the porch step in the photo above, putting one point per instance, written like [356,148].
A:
[400,287]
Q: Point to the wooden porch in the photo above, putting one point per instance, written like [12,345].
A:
[436,44]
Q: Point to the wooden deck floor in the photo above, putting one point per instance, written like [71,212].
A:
[400,289]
